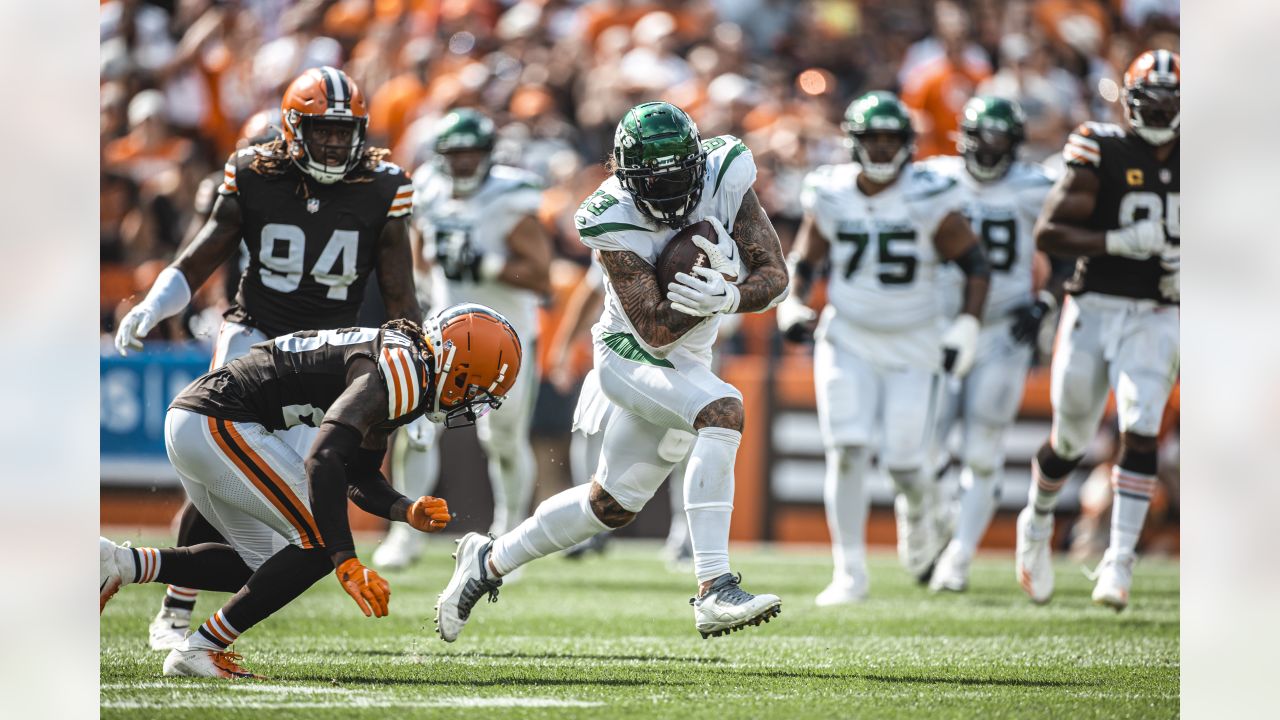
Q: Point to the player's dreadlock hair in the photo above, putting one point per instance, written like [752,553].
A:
[270,158]
[409,328]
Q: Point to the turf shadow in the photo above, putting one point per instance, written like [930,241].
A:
[340,680]
[920,679]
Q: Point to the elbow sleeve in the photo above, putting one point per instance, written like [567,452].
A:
[973,262]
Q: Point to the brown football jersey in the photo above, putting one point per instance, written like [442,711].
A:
[311,246]
[294,379]
[1134,186]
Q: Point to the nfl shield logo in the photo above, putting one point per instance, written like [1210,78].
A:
[313,205]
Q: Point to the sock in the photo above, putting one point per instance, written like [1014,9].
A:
[207,566]
[1133,480]
[214,634]
[146,564]
[847,502]
[415,462]
[977,505]
[708,499]
[1049,472]
[910,484]
[180,598]
[276,583]
[678,532]
[560,522]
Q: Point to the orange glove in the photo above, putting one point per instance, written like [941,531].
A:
[428,514]
[365,586]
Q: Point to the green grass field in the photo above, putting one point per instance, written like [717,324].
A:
[613,637]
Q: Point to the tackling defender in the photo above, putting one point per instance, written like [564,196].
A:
[1002,199]
[285,518]
[1116,208]
[653,355]
[886,225]
[481,241]
[318,213]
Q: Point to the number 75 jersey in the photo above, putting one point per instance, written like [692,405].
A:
[884,267]
[311,247]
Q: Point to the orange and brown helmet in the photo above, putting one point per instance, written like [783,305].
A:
[323,95]
[477,358]
[1153,95]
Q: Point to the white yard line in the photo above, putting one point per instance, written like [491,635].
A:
[354,701]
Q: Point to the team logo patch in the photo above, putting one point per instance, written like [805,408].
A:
[1133,176]
[313,205]
[1166,176]
[581,220]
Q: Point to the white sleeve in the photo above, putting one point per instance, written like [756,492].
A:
[169,295]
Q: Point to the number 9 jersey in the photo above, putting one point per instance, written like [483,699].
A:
[311,247]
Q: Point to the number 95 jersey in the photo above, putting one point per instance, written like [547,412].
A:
[311,247]
[883,261]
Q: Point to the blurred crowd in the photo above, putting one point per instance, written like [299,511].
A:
[181,79]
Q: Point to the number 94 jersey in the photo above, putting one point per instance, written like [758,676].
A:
[1003,215]
[883,262]
[311,247]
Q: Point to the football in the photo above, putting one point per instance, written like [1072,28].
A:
[681,255]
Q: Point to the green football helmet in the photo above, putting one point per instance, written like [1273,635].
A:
[464,130]
[658,158]
[879,112]
[991,129]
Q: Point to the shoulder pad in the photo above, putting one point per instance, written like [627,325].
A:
[725,153]
[514,178]
[608,210]
[946,165]
[1027,174]
[402,372]
[240,159]
[924,182]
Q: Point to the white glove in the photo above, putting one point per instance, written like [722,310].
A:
[723,254]
[705,295]
[792,312]
[960,345]
[1171,262]
[136,324]
[1139,241]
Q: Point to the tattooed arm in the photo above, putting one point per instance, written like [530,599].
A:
[636,285]
[766,281]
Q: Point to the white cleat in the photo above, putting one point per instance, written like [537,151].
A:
[1115,576]
[201,662]
[951,574]
[470,581]
[169,628]
[1033,564]
[844,591]
[115,569]
[400,548]
[728,608]
[918,543]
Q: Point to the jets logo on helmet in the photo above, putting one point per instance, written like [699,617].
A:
[465,131]
[324,118]
[991,129]
[878,112]
[1153,95]
[477,359]
[658,158]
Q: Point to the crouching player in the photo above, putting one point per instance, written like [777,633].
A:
[653,356]
[285,518]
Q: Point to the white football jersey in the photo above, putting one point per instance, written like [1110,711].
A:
[609,220]
[482,220]
[1003,214]
[883,261]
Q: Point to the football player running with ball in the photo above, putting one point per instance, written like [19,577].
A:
[653,354]
[482,242]
[885,225]
[1116,208]
[1002,199]
[318,212]
[285,517]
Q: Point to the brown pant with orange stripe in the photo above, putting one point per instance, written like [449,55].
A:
[246,481]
